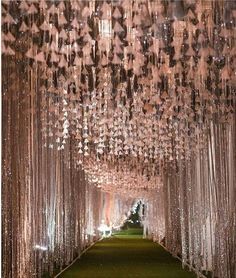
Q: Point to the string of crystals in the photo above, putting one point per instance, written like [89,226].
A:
[140,75]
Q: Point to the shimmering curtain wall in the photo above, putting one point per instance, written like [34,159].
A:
[108,102]
[50,212]
[194,215]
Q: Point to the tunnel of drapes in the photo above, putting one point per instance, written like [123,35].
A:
[105,103]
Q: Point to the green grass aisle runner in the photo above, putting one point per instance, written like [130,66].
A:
[126,255]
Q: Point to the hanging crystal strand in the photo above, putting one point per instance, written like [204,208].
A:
[5,171]
[211,189]
[217,159]
[232,178]
[183,215]
[32,152]
[189,184]
[11,174]
[85,131]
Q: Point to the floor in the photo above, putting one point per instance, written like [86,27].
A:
[124,256]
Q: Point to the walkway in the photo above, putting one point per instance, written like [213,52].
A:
[124,256]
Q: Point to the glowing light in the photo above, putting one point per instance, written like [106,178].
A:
[106,231]
[43,248]
[105,28]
